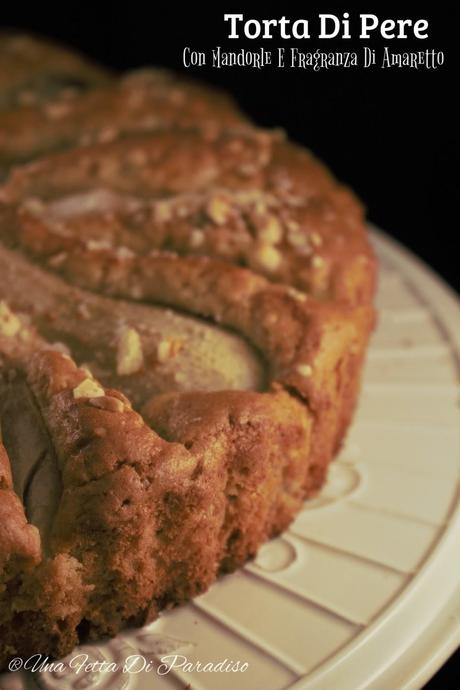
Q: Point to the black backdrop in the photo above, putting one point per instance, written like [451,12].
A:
[391,134]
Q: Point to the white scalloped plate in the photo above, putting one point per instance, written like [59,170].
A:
[363,590]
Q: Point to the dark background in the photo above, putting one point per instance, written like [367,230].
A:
[391,134]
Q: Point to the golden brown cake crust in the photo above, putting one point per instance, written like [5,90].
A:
[246,196]
[219,234]
[35,75]
[142,101]
[150,519]
[34,71]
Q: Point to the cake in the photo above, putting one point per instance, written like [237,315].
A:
[52,99]
[35,71]
[185,306]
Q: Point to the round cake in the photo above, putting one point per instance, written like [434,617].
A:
[185,306]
